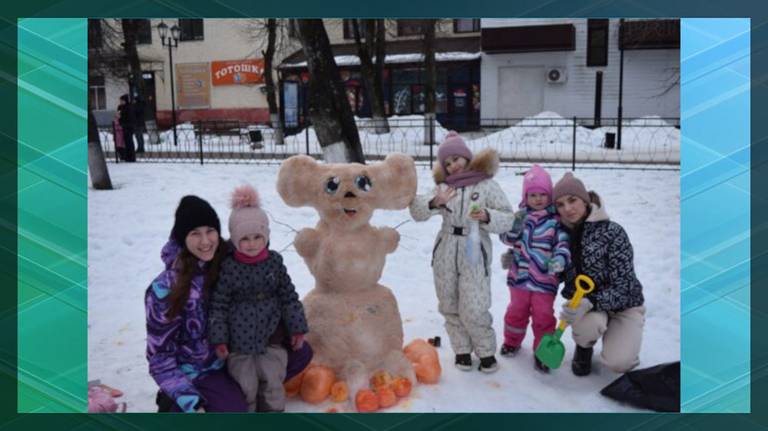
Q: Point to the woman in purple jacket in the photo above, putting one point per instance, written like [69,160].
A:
[190,375]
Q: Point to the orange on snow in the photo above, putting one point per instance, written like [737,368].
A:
[317,384]
[366,401]
[339,391]
[387,397]
[380,378]
[402,386]
[293,386]
[426,363]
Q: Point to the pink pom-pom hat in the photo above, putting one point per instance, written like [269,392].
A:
[247,216]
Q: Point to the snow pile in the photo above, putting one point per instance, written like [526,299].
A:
[549,136]
[185,133]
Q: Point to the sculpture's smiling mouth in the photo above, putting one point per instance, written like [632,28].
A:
[350,212]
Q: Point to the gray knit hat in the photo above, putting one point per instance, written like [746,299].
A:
[570,185]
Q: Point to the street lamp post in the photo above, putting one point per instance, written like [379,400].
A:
[173,42]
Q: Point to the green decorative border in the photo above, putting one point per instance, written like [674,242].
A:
[52,216]
[64,279]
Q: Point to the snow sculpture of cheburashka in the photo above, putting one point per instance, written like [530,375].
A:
[355,324]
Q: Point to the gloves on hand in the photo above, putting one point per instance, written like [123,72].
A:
[297,340]
[519,222]
[506,259]
[555,266]
[221,351]
[571,315]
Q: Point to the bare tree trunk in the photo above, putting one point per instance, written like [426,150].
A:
[130,31]
[329,109]
[97,165]
[428,25]
[378,81]
[269,54]
[372,75]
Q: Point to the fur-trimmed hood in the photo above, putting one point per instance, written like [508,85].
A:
[598,212]
[485,161]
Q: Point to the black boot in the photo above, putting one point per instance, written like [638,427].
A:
[540,367]
[464,361]
[582,361]
[509,351]
[488,364]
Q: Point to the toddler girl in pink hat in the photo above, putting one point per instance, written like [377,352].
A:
[539,253]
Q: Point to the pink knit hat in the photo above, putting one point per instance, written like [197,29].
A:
[453,145]
[536,180]
[247,216]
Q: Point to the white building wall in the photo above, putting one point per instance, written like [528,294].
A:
[335,29]
[114,88]
[647,76]
[224,39]
[229,39]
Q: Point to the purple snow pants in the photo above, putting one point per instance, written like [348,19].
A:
[223,394]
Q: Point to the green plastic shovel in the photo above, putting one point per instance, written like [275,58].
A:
[551,350]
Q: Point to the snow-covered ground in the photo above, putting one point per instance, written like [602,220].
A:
[545,136]
[128,226]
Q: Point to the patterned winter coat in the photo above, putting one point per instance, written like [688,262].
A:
[535,242]
[487,194]
[177,349]
[601,249]
[250,301]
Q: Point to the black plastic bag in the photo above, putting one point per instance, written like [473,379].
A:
[656,388]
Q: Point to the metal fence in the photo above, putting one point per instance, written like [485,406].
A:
[646,143]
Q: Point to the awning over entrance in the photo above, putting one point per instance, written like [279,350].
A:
[405,51]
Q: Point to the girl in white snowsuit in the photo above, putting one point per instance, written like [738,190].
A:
[465,194]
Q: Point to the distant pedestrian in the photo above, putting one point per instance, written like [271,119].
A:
[125,111]
[139,125]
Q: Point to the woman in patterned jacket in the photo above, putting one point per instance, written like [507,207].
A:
[600,248]
[181,361]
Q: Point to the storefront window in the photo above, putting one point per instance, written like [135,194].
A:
[441,99]
[291,104]
[401,99]
[419,99]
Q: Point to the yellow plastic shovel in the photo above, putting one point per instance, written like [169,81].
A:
[551,350]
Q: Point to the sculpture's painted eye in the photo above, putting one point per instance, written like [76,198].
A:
[363,183]
[332,185]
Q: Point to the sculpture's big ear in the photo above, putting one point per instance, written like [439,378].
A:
[394,182]
[295,179]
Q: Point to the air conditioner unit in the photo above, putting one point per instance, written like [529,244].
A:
[556,75]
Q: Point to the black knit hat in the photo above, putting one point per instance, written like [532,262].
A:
[192,213]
